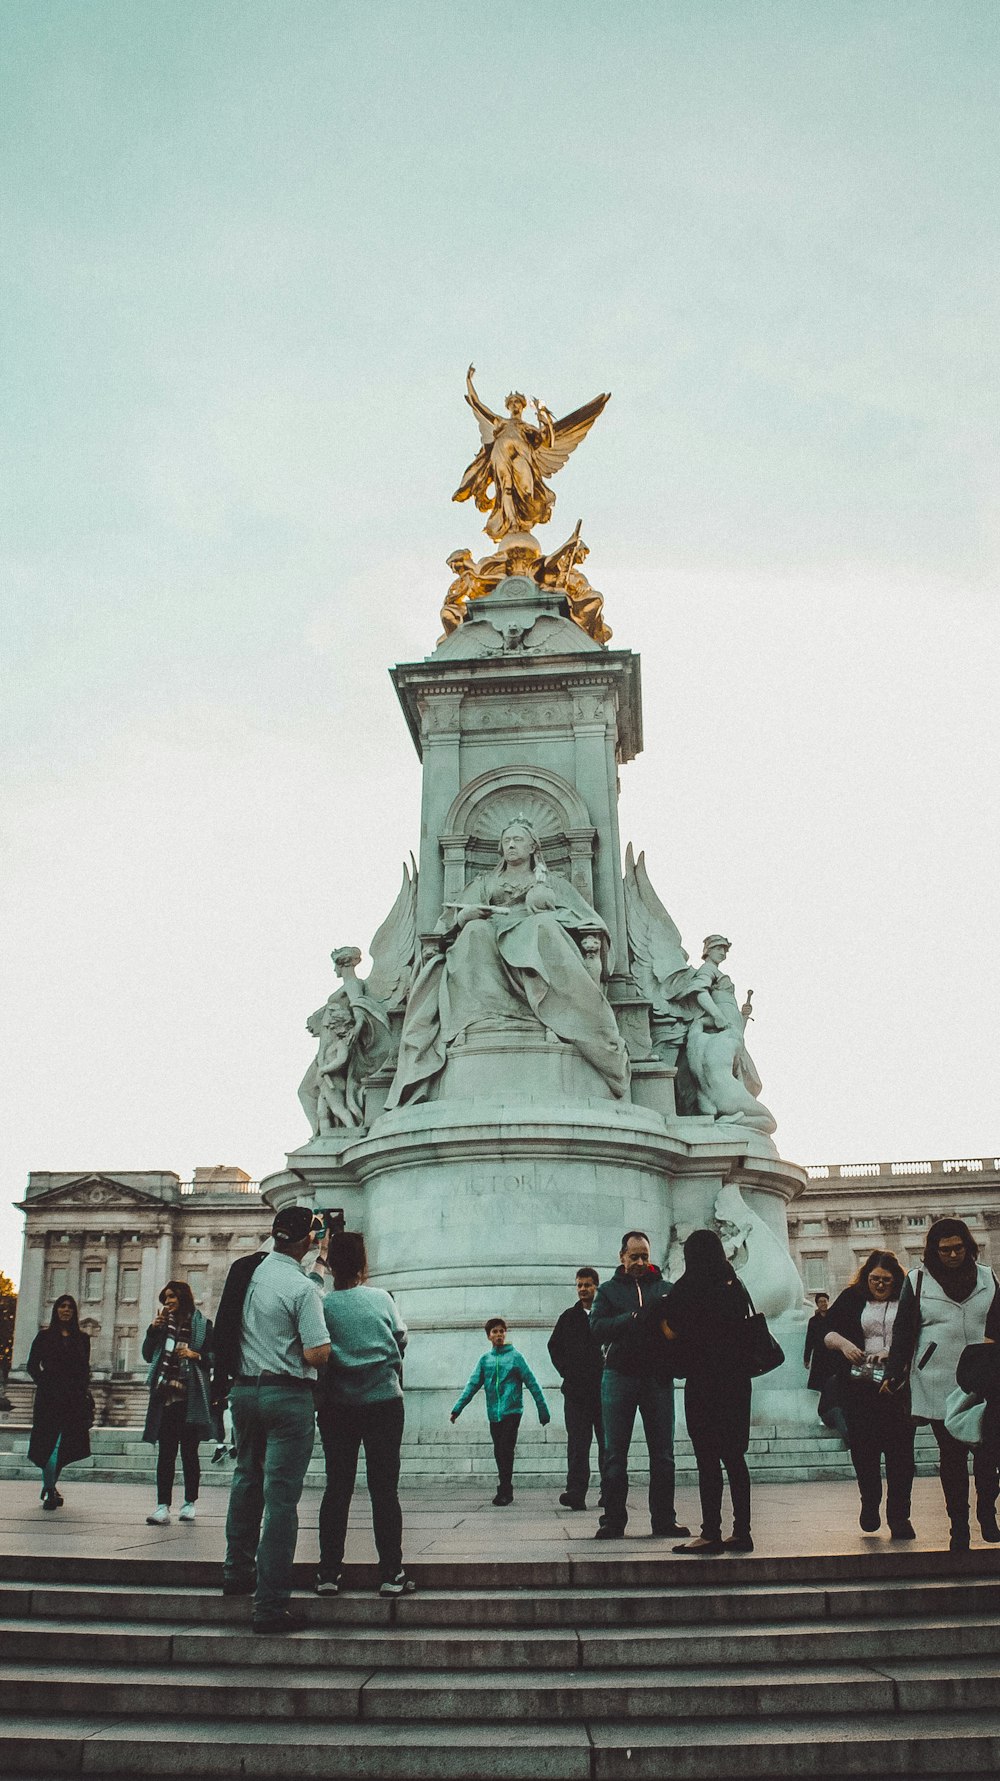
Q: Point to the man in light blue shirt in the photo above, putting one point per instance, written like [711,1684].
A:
[283,1340]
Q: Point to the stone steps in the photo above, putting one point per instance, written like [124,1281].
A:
[777,1455]
[845,1665]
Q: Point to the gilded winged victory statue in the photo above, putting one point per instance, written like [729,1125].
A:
[506,478]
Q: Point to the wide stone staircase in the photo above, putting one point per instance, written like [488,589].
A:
[601,1668]
[777,1454]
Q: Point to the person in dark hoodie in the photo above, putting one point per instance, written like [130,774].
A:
[578,1360]
[638,1376]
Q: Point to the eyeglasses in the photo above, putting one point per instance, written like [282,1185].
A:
[947,1248]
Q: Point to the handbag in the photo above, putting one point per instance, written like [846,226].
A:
[963,1416]
[763,1351]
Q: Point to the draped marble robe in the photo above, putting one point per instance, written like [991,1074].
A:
[513,963]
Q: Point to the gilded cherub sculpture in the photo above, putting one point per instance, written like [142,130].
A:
[506,478]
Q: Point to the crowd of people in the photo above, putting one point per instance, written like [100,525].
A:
[302,1340]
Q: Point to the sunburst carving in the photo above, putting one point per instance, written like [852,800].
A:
[499,808]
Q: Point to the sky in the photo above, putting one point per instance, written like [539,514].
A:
[250,250]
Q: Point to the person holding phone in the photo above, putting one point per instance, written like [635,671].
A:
[943,1307]
[177,1345]
[858,1337]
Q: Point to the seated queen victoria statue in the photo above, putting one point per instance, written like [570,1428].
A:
[509,949]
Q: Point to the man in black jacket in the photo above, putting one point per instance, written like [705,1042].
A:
[578,1360]
[637,1376]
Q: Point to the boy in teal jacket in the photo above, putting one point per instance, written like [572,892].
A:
[501,1373]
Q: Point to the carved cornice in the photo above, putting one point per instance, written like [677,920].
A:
[419,683]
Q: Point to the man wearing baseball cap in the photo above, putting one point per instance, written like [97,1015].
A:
[281,1340]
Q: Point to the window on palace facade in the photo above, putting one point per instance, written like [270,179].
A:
[123,1354]
[198,1282]
[916,1222]
[129,1291]
[58,1282]
[813,1227]
[93,1284]
[815,1272]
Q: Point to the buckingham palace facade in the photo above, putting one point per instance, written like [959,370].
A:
[113,1239]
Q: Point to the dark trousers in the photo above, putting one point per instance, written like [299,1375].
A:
[880,1427]
[955,1479]
[344,1429]
[622,1395]
[711,1453]
[174,1433]
[583,1425]
[504,1435]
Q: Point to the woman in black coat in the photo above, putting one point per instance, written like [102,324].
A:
[59,1363]
[707,1312]
[859,1335]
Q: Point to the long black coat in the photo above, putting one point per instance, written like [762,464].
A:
[577,1358]
[709,1319]
[816,1355]
[60,1367]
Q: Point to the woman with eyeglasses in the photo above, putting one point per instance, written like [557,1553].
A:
[942,1309]
[859,1331]
[59,1363]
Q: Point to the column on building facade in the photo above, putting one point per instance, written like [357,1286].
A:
[30,1299]
[149,1281]
[841,1258]
[75,1260]
[104,1357]
[221,1241]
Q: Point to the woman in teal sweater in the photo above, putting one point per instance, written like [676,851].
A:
[501,1374]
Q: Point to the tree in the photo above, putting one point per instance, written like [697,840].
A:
[8,1307]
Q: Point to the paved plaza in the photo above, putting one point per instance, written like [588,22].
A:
[458,1523]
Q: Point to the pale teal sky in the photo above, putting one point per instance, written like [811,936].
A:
[249,250]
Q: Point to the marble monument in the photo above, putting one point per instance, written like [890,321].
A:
[533,1063]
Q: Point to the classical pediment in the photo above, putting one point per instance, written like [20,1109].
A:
[102,1192]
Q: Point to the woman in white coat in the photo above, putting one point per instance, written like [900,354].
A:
[942,1308]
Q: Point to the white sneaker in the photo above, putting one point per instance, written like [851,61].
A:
[160,1516]
[188,1512]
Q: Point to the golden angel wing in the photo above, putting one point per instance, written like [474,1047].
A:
[568,434]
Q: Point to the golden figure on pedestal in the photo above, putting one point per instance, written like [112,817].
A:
[506,478]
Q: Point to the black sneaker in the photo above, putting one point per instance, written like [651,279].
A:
[607,1532]
[236,1586]
[401,1584]
[326,1585]
[279,1623]
[503,1499]
[569,1502]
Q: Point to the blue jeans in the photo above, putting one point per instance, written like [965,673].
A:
[50,1470]
[275,1427]
[622,1394]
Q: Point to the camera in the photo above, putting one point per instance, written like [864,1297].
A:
[870,1371]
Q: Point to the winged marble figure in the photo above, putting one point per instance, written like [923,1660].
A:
[506,478]
[695,1013]
[354,1028]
